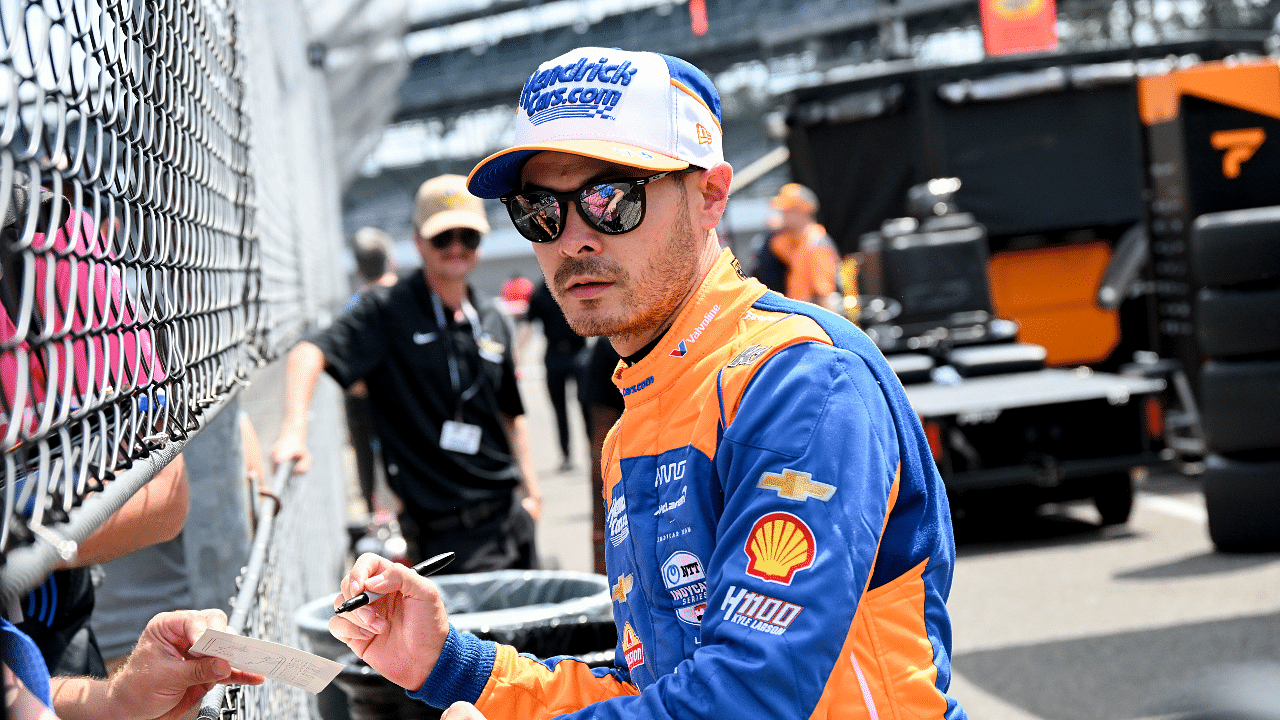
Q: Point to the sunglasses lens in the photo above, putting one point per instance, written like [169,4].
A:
[615,207]
[536,215]
[469,238]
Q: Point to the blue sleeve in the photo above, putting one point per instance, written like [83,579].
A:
[20,653]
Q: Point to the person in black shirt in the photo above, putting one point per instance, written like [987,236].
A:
[562,358]
[440,373]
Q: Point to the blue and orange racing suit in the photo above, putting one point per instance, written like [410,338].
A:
[779,540]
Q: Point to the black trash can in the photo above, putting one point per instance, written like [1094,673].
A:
[542,612]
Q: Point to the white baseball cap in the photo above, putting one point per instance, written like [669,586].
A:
[640,109]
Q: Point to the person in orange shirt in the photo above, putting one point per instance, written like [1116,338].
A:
[803,246]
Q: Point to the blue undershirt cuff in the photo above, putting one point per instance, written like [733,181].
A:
[464,667]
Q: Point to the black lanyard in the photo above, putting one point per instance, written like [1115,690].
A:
[455,373]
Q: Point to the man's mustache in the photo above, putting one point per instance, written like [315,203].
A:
[591,266]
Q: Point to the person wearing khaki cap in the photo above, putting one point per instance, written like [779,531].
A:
[438,365]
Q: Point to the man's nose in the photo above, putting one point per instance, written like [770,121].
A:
[578,238]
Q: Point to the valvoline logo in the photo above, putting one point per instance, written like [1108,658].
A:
[596,97]
[683,347]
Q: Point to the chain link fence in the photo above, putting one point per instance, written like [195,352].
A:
[171,224]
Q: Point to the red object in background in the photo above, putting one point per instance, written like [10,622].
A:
[698,17]
[1018,26]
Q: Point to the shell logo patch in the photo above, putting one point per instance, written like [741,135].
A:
[704,135]
[632,648]
[622,587]
[780,544]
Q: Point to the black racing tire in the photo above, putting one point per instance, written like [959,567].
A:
[1238,402]
[1241,499]
[1113,497]
[1236,247]
[1238,322]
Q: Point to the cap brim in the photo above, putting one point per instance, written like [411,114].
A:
[450,219]
[499,174]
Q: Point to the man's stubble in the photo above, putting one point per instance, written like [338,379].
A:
[649,300]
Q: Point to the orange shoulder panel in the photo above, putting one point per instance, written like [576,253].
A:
[753,348]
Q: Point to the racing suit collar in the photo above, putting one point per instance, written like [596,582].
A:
[701,326]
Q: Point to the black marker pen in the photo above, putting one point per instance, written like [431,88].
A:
[426,567]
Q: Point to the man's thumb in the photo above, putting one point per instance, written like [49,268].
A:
[209,670]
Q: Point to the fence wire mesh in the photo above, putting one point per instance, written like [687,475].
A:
[170,224]
[129,271]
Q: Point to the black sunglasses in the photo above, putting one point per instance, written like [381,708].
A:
[470,238]
[613,207]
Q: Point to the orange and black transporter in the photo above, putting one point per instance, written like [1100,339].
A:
[1213,141]
[1062,253]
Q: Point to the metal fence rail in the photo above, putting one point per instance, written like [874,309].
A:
[170,225]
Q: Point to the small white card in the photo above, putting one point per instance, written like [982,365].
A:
[277,662]
[460,437]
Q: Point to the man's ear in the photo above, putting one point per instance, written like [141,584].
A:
[713,185]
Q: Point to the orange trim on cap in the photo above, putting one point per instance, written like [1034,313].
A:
[1253,86]
[608,151]
[685,88]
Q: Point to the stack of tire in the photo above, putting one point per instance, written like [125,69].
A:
[1235,260]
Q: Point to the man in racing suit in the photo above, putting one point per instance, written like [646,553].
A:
[778,538]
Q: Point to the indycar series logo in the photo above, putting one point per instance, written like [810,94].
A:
[683,576]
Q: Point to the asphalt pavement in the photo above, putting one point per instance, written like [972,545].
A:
[1056,618]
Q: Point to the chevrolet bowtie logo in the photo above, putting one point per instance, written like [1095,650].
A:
[622,587]
[794,485]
